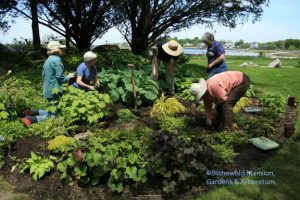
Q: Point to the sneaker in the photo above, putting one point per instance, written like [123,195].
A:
[27,112]
[26,122]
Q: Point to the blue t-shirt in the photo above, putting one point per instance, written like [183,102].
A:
[213,52]
[88,75]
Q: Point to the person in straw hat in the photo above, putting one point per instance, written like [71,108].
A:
[167,53]
[87,78]
[223,89]
[215,55]
[53,78]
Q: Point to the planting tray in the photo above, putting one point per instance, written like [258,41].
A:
[253,110]
[263,143]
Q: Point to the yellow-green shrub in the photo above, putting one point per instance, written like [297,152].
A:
[60,143]
[166,107]
[241,104]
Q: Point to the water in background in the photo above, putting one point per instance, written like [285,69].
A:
[196,51]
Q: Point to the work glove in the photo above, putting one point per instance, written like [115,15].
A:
[72,75]
[97,85]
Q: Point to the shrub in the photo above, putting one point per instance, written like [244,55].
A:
[22,94]
[224,144]
[116,154]
[183,90]
[78,105]
[273,103]
[170,124]
[166,107]
[125,115]
[38,166]
[241,104]
[60,143]
[118,83]
[178,162]
[52,127]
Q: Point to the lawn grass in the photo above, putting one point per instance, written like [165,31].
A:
[286,163]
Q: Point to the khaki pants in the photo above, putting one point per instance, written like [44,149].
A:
[170,70]
[225,111]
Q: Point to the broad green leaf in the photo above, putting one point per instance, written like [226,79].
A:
[132,173]
[132,158]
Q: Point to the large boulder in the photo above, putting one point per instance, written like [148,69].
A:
[247,64]
[275,64]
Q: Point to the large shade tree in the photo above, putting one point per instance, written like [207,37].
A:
[80,22]
[5,10]
[144,21]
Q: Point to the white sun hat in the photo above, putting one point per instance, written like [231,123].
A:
[172,48]
[88,56]
[53,45]
[198,89]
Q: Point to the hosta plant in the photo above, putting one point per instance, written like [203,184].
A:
[119,85]
[38,166]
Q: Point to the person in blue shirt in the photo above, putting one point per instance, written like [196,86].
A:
[87,78]
[53,77]
[215,55]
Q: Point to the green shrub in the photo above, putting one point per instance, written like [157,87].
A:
[116,154]
[170,124]
[224,144]
[37,165]
[61,143]
[22,94]
[178,162]
[52,127]
[273,103]
[78,105]
[125,115]
[183,90]
[118,83]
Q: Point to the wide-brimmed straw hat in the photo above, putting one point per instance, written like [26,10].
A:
[172,48]
[198,89]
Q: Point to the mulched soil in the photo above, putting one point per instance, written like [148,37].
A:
[50,187]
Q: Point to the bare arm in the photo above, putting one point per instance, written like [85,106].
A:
[82,84]
[218,60]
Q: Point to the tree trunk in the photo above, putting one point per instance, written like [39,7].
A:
[35,26]
[139,44]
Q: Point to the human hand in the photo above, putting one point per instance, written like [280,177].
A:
[210,65]
[97,84]
[90,87]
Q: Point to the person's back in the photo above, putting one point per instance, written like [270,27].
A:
[52,75]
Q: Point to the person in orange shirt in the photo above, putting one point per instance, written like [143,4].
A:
[223,89]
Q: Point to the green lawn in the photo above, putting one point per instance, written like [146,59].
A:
[286,164]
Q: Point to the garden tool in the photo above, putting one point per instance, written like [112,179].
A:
[131,66]
[155,70]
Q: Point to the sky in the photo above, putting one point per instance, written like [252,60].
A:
[279,21]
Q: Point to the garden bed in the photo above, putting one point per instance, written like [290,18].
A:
[51,187]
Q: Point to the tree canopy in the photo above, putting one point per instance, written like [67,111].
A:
[144,21]
[80,22]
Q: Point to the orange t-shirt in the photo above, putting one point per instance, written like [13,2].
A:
[218,88]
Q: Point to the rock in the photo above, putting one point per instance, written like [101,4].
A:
[81,136]
[247,64]
[275,64]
